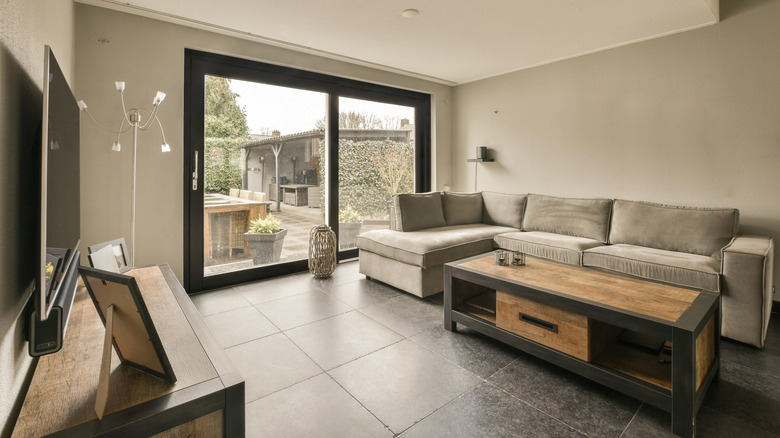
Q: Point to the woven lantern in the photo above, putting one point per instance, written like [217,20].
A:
[322,251]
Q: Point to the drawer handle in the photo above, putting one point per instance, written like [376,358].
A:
[539,322]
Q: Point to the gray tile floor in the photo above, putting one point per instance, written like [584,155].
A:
[350,357]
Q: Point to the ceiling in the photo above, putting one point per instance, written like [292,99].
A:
[449,41]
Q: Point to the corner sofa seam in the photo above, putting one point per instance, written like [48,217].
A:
[655,264]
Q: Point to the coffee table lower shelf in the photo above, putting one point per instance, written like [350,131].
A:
[677,387]
[640,388]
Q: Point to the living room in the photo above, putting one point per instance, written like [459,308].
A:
[685,119]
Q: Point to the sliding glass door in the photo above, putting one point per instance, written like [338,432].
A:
[376,160]
[261,159]
[270,148]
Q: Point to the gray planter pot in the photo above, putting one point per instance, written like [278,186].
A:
[348,232]
[265,248]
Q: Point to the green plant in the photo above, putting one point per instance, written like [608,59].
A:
[348,214]
[221,164]
[269,225]
[370,172]
[225,130]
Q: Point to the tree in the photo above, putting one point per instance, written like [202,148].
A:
[225,129]
[370,173]
[394,163]
[355,120]
[224,117]
[264,130]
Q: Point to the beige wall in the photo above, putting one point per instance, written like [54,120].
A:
[692,119]
[25,27]
[149,56]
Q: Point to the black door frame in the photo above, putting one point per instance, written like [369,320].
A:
[197,65]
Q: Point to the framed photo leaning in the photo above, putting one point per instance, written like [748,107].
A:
[98,255]
[129,328]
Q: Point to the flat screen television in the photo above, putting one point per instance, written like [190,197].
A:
[60,221]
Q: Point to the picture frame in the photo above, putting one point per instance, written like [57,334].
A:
[119,249]
[52,267]
[135,337]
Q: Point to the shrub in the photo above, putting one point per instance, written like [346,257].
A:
[370,173]
[348,214]
[222,168]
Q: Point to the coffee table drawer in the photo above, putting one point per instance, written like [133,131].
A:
[558,329]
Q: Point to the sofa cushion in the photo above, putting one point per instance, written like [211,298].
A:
[679,268]
[431,247]
[558,247]
[462,208]
[702,231]
[503,209]
[570,216]
[418,211]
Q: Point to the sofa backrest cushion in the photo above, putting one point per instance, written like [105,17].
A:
[702,231]
[418,211]
[586,217]
[503,209]
[462,208]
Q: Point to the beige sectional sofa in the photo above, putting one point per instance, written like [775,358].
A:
[686,246]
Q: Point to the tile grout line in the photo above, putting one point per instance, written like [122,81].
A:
[537,409]
[440,408]
[295,383]
[326,372]
[485,381]
[625,429]
[356,399]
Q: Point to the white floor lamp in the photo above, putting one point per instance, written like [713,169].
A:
[132,117]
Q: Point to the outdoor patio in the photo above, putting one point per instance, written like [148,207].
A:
[298,221]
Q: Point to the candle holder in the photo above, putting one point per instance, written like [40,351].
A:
[322,251]
[518,258]
[501,257]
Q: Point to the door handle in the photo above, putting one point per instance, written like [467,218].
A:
[195,173]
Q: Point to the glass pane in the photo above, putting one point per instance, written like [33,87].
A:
[256,135]
[376,160]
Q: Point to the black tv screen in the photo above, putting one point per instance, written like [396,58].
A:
[59,184]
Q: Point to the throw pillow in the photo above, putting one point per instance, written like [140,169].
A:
[503,209]
[580,217]
[462,208]
[418,211]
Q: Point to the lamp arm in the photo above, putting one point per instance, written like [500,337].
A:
[120,132]
[124,108]
[161,128]
[153,115]
[96,122]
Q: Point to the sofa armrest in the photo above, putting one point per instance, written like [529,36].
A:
[746,288]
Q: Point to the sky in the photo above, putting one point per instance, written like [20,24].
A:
[290,110]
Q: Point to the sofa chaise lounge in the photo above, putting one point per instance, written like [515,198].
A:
[685,246]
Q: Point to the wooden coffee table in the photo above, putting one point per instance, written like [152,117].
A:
[604,326]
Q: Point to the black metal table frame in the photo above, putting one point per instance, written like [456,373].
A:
[683,402]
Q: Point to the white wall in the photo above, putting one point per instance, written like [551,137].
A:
[690,119]
[149,56]
[25,27]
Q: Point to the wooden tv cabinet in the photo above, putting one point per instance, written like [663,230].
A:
[587,321]
[206,400]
